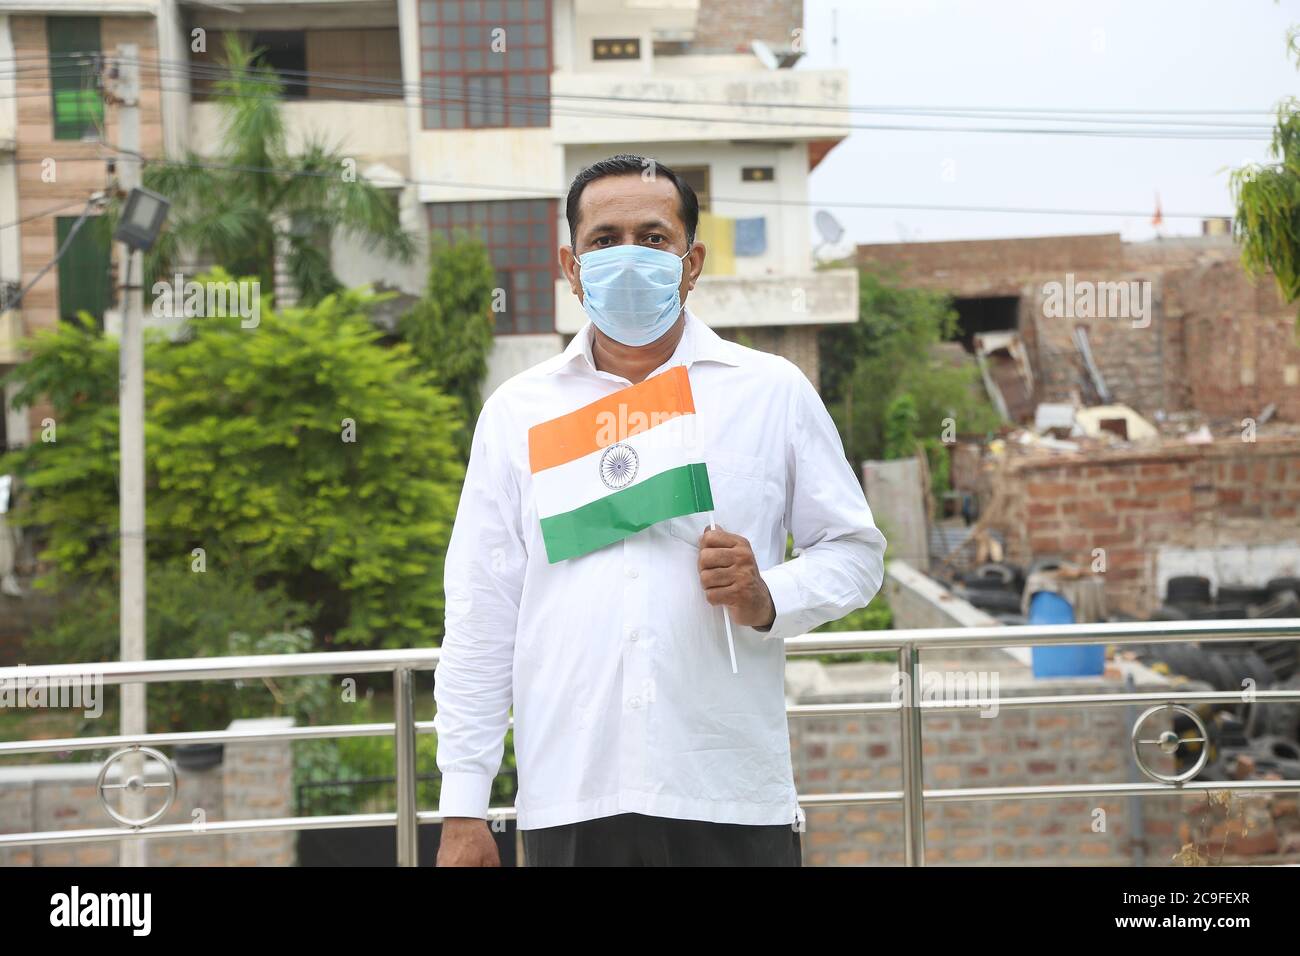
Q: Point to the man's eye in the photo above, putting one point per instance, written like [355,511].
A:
[655,239]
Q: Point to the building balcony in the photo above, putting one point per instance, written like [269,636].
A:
[813,298]
[371,131]
[761,105]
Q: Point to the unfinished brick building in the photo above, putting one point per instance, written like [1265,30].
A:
[1198,343]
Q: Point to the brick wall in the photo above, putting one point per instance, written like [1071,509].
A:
[798,343]
[259,784]
[255,780]
[730,26]
[79,166]
[1216,342]
[1241,350]
[1049,746]
[1130,351]
[1132,503]
[990,267]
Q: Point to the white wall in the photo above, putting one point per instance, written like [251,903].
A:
[17,426]
[355,265]
[655,107]
[512,354]
[8,103]
[609,26]
[368,131]
[789,247]
[174,46]
[10,239]
[1244,564]
[518,163]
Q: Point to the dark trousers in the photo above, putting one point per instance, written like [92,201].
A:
[634,839]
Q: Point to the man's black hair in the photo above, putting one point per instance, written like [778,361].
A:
[621,165]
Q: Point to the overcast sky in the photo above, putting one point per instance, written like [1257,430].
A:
[1055,54]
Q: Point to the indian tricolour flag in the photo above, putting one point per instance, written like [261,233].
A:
[617,466]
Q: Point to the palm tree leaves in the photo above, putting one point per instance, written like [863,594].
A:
[252,123]
[255,197]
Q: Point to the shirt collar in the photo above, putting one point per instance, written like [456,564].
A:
[699,343]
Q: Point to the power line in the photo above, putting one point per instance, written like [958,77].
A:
[829,128]
[67,244]
[399,85]
[546,105]
[45,212]
[560,194]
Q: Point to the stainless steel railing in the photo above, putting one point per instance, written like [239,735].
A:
[910,707]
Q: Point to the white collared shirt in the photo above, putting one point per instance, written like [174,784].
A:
[616,665]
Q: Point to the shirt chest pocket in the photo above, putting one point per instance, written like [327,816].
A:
[740,498]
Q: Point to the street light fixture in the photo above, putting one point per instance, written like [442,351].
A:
[142,219]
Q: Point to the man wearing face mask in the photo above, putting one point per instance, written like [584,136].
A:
[635,742]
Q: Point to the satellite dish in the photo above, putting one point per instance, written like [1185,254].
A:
[765,55]
[828,227]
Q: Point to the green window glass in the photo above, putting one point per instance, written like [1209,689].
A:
[78,106]
[85,282]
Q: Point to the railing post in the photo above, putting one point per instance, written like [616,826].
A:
[408,844]
[909,658]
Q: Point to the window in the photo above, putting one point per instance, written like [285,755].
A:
[485,63]
[520,238]
[697,177]
[85,280]
[285,51]
[622,49]
[352,64]
[998,313]
[78,107]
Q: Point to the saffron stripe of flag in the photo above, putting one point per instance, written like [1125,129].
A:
[617,466]
[630,410]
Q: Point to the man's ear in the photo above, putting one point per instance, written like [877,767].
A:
[569,266]
[695,264]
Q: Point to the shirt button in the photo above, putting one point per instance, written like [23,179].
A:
[634,634]
[634,702]
[631,572]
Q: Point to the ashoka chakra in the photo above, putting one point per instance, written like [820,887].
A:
[618,466]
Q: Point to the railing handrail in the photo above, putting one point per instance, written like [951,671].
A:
[232,668]
[1045,635]
[911,709]
[832,642]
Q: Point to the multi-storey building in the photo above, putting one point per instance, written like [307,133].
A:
[52,161]
[477,114]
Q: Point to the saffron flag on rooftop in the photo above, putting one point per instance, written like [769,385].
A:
[617,466]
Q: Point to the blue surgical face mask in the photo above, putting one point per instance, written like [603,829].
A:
[630,292]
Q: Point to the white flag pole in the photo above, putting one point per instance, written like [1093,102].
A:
[726,615]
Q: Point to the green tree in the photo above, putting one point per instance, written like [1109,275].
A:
[450,328]
[254,197]
[219,611]
[1267,197]
[888,353]
[901,422]
[303,450]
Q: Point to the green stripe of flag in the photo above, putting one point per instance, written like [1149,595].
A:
[669,494]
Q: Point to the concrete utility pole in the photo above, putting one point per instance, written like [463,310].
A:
[131,440]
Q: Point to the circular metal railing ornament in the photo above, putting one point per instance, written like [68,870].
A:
[1168,743]
[136,783]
